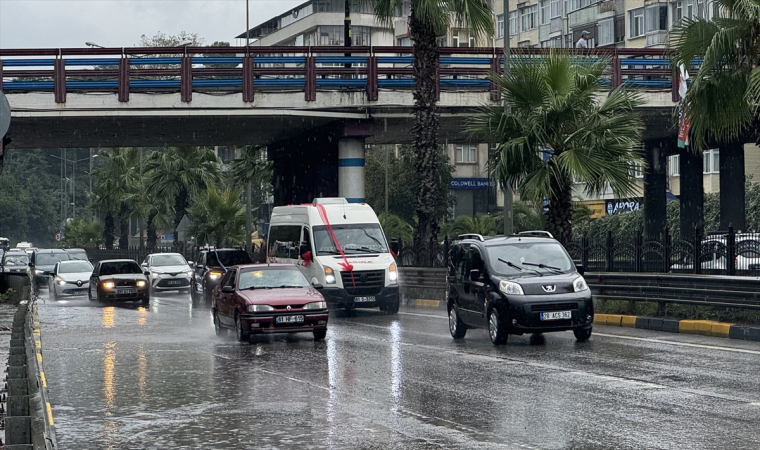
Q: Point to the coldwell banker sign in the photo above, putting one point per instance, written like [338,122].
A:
[622,206]
[469,183]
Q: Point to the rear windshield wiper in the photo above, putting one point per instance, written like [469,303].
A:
[544,266]
[520,268]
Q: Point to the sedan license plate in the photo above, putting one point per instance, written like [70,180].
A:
[126,291]
[369,299]
[557,315]
[289,319]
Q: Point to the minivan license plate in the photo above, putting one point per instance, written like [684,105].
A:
[557,315]
[289,319]
[369,299]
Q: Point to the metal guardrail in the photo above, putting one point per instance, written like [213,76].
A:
[706,290]
[248,70]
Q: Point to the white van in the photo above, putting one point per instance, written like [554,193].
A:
[340,246]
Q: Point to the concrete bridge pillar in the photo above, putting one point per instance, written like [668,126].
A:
[351,169]
[732,179]
[692,193]
[655,185]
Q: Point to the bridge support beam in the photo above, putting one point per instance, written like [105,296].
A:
[692,193]
[732,176]
[351,169]
[655,185]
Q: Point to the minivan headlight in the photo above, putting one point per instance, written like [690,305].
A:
[329,275]
[510,288]
[259,308]
[316,305]
[579,285]
[392,273]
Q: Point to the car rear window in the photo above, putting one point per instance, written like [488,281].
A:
[228,258]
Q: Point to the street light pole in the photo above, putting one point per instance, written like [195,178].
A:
[507,190]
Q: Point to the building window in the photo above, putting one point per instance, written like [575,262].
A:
[636,170]
[711,161]
[554,8]
[606,31]
[636,17]
[462,38]
[513,23]
[404,42]
[500,26]
[656,18]
[545,15]
[467,154]
[443,41]
[674,168]
[555,42]
[528,17]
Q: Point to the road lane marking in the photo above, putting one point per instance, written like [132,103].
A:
[635,338]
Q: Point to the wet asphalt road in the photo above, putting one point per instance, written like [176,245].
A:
[128,378]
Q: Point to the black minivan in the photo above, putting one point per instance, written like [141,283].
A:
[514,285]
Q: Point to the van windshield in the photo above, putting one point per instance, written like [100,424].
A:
[527,256]
[353,239]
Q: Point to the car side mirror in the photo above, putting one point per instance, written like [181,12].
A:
[580,268]
[317,286]
[228,289]
[474,275]
[146,273]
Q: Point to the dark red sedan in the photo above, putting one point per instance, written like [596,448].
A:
[264,299]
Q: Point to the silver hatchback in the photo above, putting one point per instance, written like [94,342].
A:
[69,278]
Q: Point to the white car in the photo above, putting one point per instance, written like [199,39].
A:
[167,272]
[69,278]
[746,250]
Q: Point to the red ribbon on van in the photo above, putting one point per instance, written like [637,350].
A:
[345,264]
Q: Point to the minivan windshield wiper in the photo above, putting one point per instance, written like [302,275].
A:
[520,268]
[544,266]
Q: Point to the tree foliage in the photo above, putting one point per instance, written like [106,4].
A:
[83,233]
[218,217]
[558,132]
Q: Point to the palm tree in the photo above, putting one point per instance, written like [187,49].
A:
[395,227]
[430,19]
[180,173]
[115,185]
[83,232]
[482,224]
[559,132]
[721,93]
[248,170]
[218,217]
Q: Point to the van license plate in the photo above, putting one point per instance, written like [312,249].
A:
[289,319]
[557,315]
[369,299]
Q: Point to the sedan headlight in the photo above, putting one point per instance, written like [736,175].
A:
[260,308]
[329,275]
[108,285]
[38,272]
[579,285]
[316,305]
[214,275]
[510,288]
[60,281]
[140,283]
[392,273]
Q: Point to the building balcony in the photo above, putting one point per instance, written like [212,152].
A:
[657,38]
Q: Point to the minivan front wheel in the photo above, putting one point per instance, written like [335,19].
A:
[456,327]
[582,334]
[496,329]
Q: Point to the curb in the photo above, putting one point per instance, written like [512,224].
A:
[683,326]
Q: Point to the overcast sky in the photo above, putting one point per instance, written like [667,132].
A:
[120,23]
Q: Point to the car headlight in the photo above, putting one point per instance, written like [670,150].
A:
[329,275]
[60,281]
[188,273]
[579,285]
[510,288]
[214,275]
[140,283]
[108,285]
[316,305]
[392,273]
[38,272]
[259,308]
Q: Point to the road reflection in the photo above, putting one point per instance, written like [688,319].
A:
[142,315]
[109,314]
[109,369]
[396,367]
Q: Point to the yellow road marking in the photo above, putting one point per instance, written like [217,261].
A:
[42,377]
[50,413]
[427,303]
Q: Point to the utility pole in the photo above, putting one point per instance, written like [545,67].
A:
[507,190]
[347,30]
[247,28]
[386,182]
